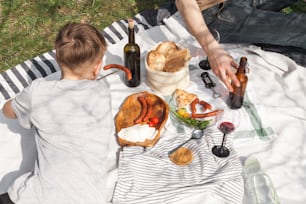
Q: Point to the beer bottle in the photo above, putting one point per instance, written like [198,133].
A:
[235,98]
[131,53]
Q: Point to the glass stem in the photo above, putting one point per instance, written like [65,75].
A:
[223,140]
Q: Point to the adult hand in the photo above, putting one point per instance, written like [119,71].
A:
[221,63]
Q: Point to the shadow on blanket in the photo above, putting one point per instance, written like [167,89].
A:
[27,148]
[295,53]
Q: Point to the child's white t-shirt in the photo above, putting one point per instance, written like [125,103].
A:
[73,125]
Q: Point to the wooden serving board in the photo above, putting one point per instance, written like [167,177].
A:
[130,111]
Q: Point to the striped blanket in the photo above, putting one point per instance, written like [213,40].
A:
[146,175]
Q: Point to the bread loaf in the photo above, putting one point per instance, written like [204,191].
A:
[156,61]
[168,57]
[177,60]
[167,48]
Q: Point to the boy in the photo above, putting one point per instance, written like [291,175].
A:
[72,121]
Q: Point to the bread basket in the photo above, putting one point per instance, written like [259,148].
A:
[165,83]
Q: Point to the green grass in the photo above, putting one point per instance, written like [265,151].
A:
[28,28]
[299,7]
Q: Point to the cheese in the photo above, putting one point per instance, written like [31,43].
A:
[137,133]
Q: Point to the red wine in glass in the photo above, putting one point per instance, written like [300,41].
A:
[221,150]
[226,127]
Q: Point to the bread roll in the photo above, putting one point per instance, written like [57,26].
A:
[166,48]
[156,61]
[177,60]
[168,57]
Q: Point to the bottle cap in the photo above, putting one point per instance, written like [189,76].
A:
[131,23]
[251,166]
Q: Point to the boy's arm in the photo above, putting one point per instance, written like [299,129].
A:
[8,110]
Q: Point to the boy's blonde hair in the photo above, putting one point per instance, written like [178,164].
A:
[77,44]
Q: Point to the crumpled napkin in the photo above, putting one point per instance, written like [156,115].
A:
[146,175]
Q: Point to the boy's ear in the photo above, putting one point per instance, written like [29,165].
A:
[97,68]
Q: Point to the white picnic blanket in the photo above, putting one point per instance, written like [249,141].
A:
[274,118]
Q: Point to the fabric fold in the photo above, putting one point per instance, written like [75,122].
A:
[146,175]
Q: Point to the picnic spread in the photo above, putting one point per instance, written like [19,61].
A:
[272,126]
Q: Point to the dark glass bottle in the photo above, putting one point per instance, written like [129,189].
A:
[235,98]
[132,57]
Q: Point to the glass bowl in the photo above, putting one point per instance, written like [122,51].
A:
[184,116]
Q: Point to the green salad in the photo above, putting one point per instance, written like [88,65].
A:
[200,124]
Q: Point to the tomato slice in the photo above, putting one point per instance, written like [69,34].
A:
[154,120]
[151,124]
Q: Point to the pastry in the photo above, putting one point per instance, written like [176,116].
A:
[182,156]
[183,98]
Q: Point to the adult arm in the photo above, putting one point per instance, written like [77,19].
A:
[220,61]
[8,110]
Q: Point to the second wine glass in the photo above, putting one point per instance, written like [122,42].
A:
[227,121]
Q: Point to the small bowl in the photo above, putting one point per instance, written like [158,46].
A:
[165,83]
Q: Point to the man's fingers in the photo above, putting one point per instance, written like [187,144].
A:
[228,85]
[233,78]
[228,77]
[223,76]
[234,64]
[223,67]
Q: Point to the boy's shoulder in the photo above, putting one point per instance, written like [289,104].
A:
[45,84]
[41,85]
[38,82]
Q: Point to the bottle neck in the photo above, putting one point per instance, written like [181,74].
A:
[241,70]
[131,36]
[242,65]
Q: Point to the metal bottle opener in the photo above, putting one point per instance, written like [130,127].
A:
[103,76]
[210,84]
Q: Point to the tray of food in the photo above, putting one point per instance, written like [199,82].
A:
[141,119]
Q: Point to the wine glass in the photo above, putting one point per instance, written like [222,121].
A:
[204,64]
[226,123]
